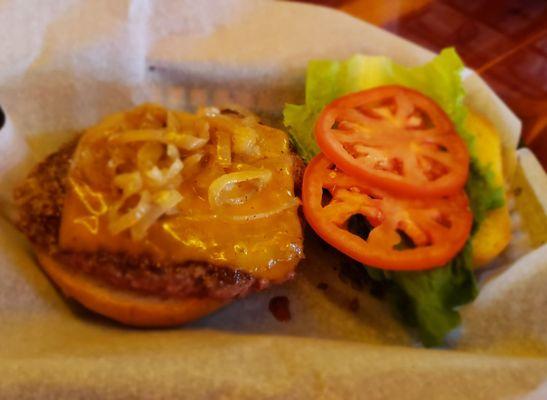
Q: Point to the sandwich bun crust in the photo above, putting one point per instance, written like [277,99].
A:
[123,306]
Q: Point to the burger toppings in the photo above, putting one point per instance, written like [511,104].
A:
[397,233]
[385,145]
[155,188]
[399,187]
[245,182]
[212,187]
[395,138]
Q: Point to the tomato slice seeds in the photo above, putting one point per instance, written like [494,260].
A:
[394,138]
[403,233]
[388,189]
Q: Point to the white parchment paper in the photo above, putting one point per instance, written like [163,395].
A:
[67,63]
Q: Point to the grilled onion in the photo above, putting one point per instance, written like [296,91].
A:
[226,182]
[183,140]
[224,149]
[125,221]
[163,202]
[245,141]
[171,146]
[265,214]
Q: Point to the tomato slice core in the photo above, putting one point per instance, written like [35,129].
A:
[394,138]
[399,233]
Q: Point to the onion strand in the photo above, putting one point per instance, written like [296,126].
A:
[260,177]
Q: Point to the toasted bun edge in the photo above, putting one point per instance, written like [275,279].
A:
[124,306]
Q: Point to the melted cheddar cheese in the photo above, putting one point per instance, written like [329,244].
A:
[179,187]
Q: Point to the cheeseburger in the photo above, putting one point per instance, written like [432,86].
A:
[156,217]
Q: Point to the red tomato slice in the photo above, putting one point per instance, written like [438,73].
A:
[404,233]
[394,138]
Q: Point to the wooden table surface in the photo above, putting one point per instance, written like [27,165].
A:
[505,41]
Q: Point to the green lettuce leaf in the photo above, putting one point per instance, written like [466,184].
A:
[425,299]
[326,80]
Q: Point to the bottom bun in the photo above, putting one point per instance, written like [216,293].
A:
[123,306]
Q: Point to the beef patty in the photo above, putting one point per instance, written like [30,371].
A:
[40,202]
